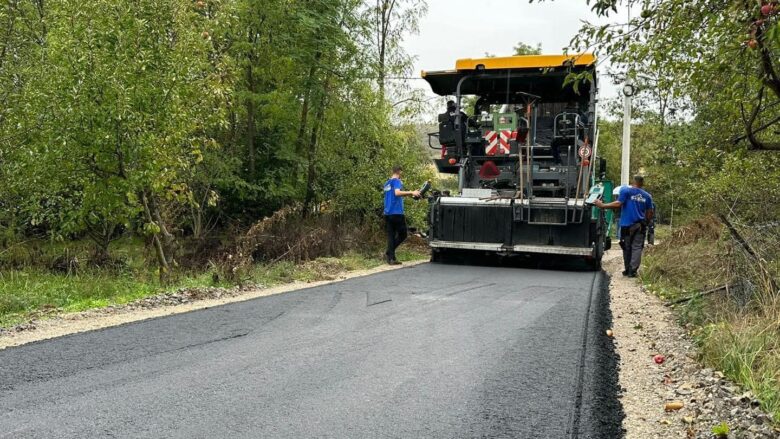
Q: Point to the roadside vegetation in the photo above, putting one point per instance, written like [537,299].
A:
[34,292]
[736,321]
[157,144]
[706,135]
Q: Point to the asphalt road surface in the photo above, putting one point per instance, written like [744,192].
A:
[439,351]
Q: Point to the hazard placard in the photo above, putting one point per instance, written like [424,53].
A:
[585,151]
[497,142]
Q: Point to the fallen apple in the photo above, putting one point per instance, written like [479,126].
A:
[752,44]
[767,9]
[659,359]
[671,406]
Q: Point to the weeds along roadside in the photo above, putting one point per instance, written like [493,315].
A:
[736,323]
[41,278]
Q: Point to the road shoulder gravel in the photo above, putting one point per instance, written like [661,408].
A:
[181,301]
[644,328]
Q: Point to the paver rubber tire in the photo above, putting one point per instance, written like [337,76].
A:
[594,264]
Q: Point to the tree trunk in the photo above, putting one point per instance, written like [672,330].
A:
[304,120]
[307,93]
[168,239]
[158,245]
[311,158]
[312,151]
[250,120]
[101,235]
[385,10]
[381,73]
[196,212]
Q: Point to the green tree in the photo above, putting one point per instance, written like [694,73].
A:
[21,43]
[167,119]
[123,100]
[522,48]
[390,21]
[718,59]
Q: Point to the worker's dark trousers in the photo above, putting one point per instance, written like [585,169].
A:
[651,234]
[632,240]
[395,225]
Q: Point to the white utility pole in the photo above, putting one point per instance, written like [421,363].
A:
[625,168]
[628,92]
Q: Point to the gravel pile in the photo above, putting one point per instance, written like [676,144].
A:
[714,399]
[184,295]
[665,392]
[708,398]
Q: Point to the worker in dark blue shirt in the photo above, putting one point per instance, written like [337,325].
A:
[395,221]
[636,211]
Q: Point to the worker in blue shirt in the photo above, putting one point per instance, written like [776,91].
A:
[395,221]
[636,212]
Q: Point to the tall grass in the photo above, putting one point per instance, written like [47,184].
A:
[33,292]
[747,351]
[737,332]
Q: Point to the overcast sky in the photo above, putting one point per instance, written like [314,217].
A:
[454,29]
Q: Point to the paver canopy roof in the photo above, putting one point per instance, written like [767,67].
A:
[542,75]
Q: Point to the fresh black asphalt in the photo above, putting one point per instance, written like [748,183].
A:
[430,351]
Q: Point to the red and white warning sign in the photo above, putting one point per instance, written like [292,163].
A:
[585,151]
[498,141]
